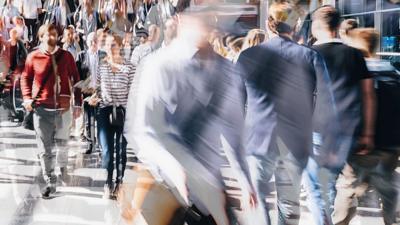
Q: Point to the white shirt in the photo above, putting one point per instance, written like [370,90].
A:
[29,8]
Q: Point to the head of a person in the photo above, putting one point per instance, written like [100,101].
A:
[325,22]
[254,37]
[218,46]
[101,37]
[87,4]
[9,2]
[196,27]
[69,33]
[113,45]
[236,45]
[18,21]
[48,35]
[91,41]
[14,34]
[278,14]
[364,39]
[346,26]
[154,33]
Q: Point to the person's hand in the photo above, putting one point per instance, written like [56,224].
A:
[77,112]
[366,144]
[88,91]
[253,199]
[28,106]
[93,101]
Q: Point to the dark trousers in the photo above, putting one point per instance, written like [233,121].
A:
[89,120]
[32,30]
[107,135]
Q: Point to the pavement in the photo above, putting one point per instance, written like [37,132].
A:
[79,202]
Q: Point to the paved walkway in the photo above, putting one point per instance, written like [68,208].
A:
[80,201]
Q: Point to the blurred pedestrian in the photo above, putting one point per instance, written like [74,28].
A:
[281,78]
[254,37]
[70,41]
[87,63]
[147,47]
[30,10]
[186,110]
[355,104]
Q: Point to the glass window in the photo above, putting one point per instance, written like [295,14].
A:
[390,4]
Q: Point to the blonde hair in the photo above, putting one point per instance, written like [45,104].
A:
[218,46]
[346,26]
[364,39]
[278,13]
[254,37]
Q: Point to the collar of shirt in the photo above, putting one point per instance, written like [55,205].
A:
[330,40]
[46,52]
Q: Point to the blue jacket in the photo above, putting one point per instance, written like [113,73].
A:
[281,79]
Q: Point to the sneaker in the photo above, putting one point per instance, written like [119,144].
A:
[89,149]
[64,177]
[107,192]
[49,189]
[116,190]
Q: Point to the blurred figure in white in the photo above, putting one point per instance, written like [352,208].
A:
[187,110]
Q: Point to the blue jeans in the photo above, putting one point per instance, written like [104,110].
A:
[112,141]
[311,180]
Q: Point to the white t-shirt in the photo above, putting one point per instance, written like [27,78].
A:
[29,8]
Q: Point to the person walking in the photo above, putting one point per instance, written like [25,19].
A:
[87,63]
[113,81]
[286,84]
[46,91]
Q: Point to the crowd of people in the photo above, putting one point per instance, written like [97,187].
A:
[169,81]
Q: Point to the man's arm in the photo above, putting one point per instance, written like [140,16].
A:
[369,114]
[74,76]
[27,83]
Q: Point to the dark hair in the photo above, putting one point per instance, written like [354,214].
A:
[46,28]
[182,5]
[328,16]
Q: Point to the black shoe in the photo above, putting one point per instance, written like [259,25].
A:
[116,190]
[84,138]
[49,189]
[89,149]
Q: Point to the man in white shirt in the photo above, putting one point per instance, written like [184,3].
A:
[30,10]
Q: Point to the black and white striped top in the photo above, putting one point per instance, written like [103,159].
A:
[113,88]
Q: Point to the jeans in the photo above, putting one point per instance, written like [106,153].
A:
[51,129]
[316,199]
[112,141]
[261,171]
[288,171]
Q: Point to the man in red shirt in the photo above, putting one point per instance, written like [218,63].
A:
[46,84]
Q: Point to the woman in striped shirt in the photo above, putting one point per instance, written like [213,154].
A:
[114,78]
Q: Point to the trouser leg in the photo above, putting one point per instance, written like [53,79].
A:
[120,160]
[345,205]
[261,171]
[383,182]
[288,185]
[44,124]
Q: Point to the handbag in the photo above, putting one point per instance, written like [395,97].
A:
[27,122]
